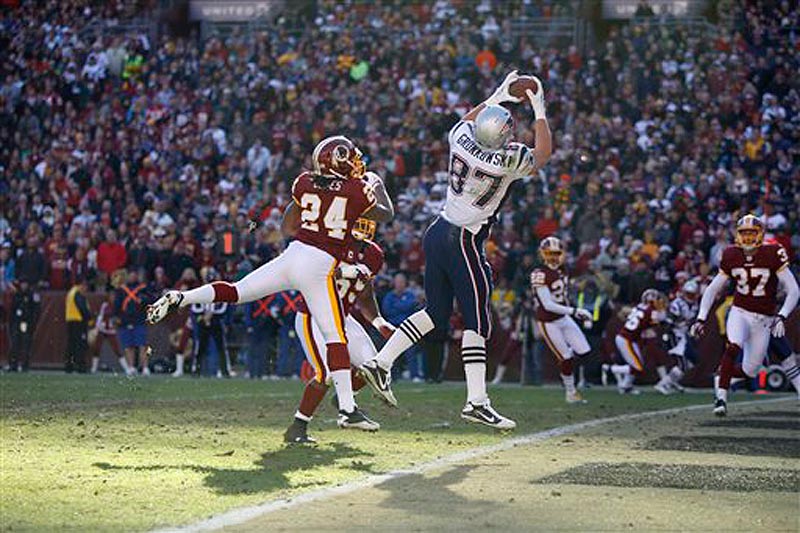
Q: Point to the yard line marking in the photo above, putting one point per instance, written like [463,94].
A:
[245,514]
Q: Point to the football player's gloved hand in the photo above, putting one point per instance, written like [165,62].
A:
[501,94]
[252,225]
[537,100]
[348,271]
[583,315]
[698,329]
[384,327]
[778,327]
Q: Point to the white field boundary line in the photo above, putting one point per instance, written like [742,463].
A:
[245,514]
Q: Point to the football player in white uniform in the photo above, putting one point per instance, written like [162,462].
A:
[484,162]
[680,314]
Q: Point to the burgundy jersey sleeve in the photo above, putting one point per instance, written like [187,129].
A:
[780,258]
[373,258]
[300,185]
[361,197]
[730,260]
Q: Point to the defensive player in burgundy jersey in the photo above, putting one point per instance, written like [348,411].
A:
[651,311]
[363,260]
[326,203]
[757,268]
[555,316]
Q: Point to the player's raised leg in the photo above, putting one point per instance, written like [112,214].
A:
[269,278]
[471,273]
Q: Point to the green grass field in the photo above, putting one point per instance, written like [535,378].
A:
[108,453]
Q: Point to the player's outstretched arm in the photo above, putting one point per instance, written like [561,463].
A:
[544,140]
[546,299]
[291,221]
[368,305]
[787,279]
[382,197]
[709,296]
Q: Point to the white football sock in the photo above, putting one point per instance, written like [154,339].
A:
[473,355]
[621,369]
[344,390]
[407,334]
[792,372]
[675,375]
[662,371]
[498,374]
[201,295]
[179,360]
[124,364]
[95,364]
[569,383]
[722,394]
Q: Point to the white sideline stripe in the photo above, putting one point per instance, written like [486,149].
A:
[244,514]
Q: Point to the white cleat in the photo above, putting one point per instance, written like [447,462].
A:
[604,369]
[663,388]
[485,414]
[168,303]
[575,398]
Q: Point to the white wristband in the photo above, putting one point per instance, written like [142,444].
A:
[379,322]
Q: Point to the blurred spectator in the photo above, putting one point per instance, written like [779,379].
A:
[261,322]
[111,255]
[396,306]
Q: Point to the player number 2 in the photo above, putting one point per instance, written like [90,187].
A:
[743,277]
[335,219]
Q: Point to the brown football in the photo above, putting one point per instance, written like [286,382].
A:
[522,84]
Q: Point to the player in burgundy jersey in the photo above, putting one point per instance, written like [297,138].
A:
[757,268]
[354,283]
[326,203]
[554,316]
[651,311]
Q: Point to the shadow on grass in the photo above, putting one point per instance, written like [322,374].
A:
[417,494]
[272,469]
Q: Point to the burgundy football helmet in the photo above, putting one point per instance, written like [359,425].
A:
[339,157]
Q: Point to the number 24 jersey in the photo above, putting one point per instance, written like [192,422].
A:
[328,209]
[756,276]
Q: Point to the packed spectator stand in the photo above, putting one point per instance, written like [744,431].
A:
[151,152]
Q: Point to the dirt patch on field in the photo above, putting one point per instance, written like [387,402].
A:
[680,476]
[726,444]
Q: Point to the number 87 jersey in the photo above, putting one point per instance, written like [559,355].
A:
[480,178]
[329,207]
[756,276]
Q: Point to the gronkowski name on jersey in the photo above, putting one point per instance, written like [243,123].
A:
[480,179]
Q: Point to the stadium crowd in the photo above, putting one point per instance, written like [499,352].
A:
[119,151]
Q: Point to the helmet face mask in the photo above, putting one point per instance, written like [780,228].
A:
[551,251]
[493,127]
[338,157]
[654,298]
[749,233]
[364,229]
